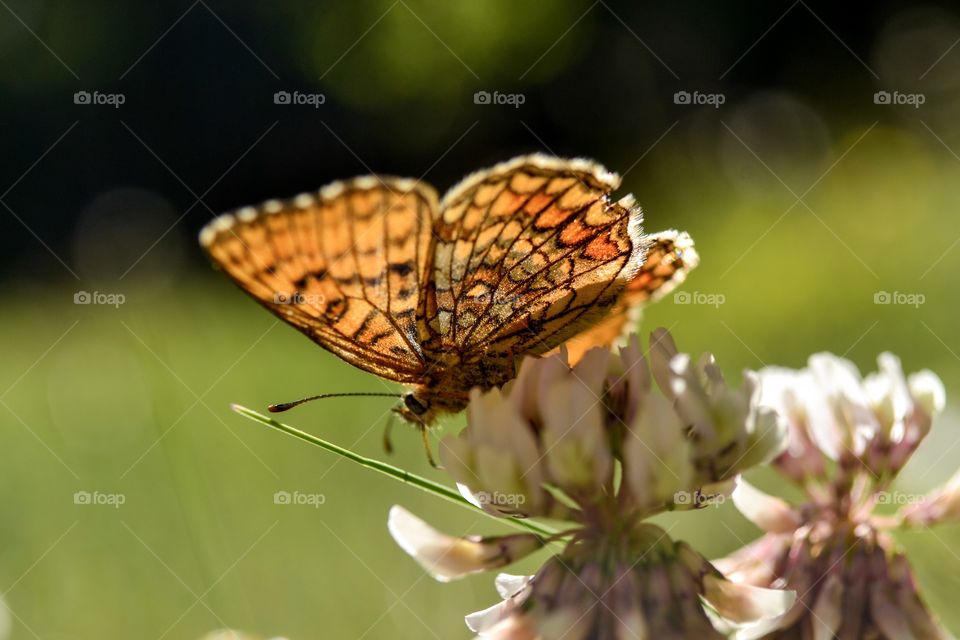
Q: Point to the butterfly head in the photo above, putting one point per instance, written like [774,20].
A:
[416,409]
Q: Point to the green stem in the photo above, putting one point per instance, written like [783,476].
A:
[396,473]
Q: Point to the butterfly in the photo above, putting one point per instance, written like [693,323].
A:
[444,295]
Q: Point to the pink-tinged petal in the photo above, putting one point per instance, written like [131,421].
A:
[662,350]
[889,617]
[568,623]
[636,375]
[516,627]
[549,371]
[827,614]
[625,605]
[592,369]
[922,622]
[942,505]
[743,603]
[855,599]
[755,563]
[449,558]
[767,512]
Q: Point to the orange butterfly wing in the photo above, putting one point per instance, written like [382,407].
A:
[346,266]
[527,254]
[670,258]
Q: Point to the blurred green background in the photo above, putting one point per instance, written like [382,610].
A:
[810,199]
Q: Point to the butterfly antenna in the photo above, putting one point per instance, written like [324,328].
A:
[286,406]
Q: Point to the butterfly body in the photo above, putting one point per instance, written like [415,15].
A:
[442,295]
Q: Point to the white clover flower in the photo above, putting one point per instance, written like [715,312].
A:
[848,439]
[598,447]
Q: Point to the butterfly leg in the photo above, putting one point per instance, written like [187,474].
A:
[387,443]
[426,446]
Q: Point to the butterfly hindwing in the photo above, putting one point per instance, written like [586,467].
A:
[670,257]
[527,254]
[347,266]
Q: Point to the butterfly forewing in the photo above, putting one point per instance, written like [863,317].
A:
[346,266]
[527,254]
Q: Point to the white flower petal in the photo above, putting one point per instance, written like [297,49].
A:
[657,459]
[574,436]
[508,585]
[514,590]
[662,351]
[767,512]
[480,621]
[449,558]
[840,415]
[743,603]
[927,390]
[769,437]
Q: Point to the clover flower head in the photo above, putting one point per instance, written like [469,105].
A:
[603,445]
[849,437]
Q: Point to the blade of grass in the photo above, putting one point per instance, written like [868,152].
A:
[402,475]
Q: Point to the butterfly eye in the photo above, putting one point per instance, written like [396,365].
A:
[414,405]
